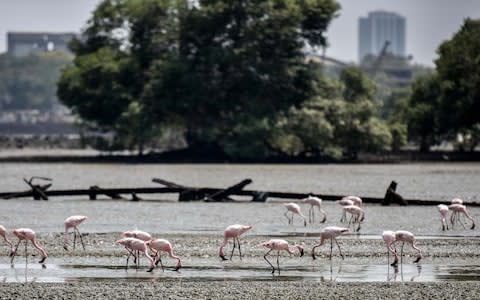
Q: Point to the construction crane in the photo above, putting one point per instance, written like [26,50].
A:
[377,63]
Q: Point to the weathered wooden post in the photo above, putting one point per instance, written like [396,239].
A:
[391,196]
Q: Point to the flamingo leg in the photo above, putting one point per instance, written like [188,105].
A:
[81,239]
[324,216]
[74,238]
[233,249]
[26,253]
[288,218]
[160,260]
[278,261]
[239,250]
[130,253]
[331,248]
[401,254]
[265,257]
[310,215]
[14,252]
[341,254]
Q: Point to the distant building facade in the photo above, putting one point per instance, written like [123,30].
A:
[27,43]
[378,28]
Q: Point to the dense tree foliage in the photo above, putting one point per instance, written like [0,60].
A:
[30,82]
[446,105]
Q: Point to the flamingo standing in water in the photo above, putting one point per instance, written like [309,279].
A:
[389,239]
[279,245]
[346,201]
[331,233]
[3,233]
[443,210]
[458,209]
[406,237]
[294,209]
[159,245]
[233,232]
[357,213]
[138,234]
[27,234]
[314,202]
[73,222]
[134,244]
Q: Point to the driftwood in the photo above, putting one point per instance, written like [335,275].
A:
[391,196]
[224,194]
[202,194]
[206,194]
[38,190]
[93,196]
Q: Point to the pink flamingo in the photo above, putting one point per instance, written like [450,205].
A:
[73,222]
[159,245]
[233,232]
[458,209]
[278,244]
[344,202]
[26,234]
[358,215]
[138,234]
[457,201]
[443,210]
[134,244]
[356,200]
[3,233]
[314,201]
[406,237]
[389,239]
[330,232]
[294,209]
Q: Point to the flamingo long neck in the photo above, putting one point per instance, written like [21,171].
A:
[170,253]
[225,242]
[7,240]
[152,263]
[36,245]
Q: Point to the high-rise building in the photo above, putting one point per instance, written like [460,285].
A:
[380,27]
[27,43]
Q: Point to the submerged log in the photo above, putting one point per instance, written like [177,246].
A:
[391,196]
[93,196]
[224,194]
[38,190]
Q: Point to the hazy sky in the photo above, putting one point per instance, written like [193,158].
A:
[429,22]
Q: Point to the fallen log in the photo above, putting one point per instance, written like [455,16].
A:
[224,194]
[257,195]
[38,191]
[93,196]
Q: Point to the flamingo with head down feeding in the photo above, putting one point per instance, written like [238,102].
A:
[233,232]
[314,202]
[331,233]
[294,209]
[133,244]
[280,245]
[159,245]
[27,234]
[73,222]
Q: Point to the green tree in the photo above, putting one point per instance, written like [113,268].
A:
[458,68]
[341,121]
[423,112]
[240,63]
[114,58]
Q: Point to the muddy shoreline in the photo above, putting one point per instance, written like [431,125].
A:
[204,249]
[240,290]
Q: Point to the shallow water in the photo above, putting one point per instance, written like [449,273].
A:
[315,272]
[424,181]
